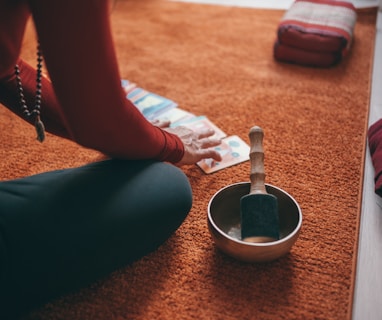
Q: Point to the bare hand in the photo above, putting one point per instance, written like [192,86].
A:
[197,145]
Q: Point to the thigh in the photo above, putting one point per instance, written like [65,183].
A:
[64,229]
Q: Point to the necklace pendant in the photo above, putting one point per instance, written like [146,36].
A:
[40,130]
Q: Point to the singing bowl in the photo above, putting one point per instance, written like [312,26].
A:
[224,224]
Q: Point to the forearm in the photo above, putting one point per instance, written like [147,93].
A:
[84,71]
[87,104]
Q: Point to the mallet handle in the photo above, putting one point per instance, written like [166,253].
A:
[256,155]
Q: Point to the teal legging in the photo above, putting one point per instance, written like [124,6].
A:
[62,230]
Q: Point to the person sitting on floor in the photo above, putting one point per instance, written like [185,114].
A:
[62,230]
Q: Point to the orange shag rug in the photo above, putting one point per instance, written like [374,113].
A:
[217,61]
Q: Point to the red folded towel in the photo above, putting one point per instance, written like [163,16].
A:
[315,32]
[375,145]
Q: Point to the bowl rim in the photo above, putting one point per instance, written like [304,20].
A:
[255,244]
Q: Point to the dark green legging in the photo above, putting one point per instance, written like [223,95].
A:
[62,230]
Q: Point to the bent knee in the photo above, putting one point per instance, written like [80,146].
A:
[180,189]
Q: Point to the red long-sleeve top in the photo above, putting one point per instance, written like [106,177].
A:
[83,100]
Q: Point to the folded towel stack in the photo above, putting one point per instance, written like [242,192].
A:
[315,33]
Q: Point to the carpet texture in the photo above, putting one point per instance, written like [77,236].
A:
[217,61]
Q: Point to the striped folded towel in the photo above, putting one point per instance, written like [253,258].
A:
[315,32]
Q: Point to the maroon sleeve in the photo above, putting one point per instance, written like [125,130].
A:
[375,146]
[88,104]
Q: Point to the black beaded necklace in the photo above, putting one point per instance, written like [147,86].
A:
[35,112]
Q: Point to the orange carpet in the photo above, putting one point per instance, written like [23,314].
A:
[217,61]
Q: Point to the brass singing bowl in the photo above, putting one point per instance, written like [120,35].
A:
[224,224]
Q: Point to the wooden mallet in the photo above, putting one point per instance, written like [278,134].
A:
[258,209]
